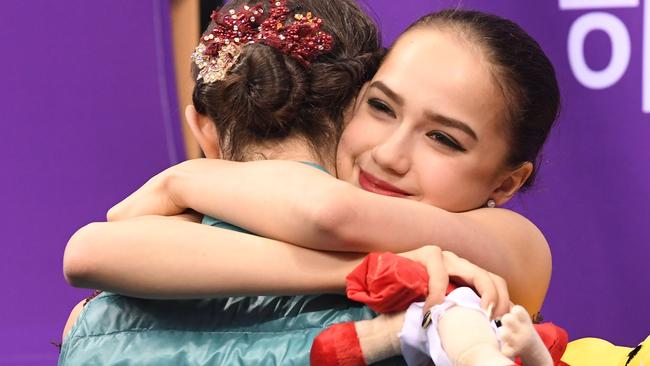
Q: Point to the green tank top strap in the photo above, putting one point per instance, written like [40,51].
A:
[317,166]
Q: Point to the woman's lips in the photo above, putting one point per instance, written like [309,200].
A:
[372,184]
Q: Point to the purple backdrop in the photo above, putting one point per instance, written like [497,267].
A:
[88,113]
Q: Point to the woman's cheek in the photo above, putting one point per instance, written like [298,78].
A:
[344,161]
[351,140]
[439,185]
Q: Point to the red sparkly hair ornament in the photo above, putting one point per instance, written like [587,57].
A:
[300,37]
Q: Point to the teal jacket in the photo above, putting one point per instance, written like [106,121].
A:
[264,330]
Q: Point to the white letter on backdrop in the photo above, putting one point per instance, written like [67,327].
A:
[621,49]
[646,57]
[597,4]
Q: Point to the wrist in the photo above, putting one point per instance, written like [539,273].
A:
[348,262]
[172,185]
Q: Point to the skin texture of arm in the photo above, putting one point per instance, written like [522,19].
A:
[329,214]
[169,258]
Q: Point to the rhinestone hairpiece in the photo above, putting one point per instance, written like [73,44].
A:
[298,36]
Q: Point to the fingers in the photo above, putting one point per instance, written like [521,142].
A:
[492,288]
[463,271]
[430,256]
[132,205]
[438,279]
[502,304]
[150,199]
[120,211]
[443,265]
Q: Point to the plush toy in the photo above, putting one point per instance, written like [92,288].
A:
[388,283]
[596,352]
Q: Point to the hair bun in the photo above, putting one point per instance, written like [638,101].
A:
[264,91]
[352,72]
[259,99]
[266,96]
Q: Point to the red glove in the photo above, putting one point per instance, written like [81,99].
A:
[387,282]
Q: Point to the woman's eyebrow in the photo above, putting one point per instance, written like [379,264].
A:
[450,122]
[388,91]
[446,121]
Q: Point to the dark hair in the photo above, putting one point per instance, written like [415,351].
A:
[268,96]
[522,70]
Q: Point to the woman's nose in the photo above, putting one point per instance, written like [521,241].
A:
[392,153]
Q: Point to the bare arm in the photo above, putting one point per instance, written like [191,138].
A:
[156,257]
[167,258]
[329,214]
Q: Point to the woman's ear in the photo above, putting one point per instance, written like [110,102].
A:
[511,183]
[204,131]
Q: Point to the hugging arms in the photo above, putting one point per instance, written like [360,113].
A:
[411,135]
[333,215]
[162,257]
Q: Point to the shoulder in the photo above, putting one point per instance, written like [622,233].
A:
[509,224]
[531,261]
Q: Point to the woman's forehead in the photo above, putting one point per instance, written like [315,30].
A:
[441,56]
[439,70]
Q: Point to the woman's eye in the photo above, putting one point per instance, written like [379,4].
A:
[446,140]
[380,106]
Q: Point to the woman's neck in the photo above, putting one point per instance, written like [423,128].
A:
[296,149]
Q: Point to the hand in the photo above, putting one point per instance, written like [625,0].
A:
[153,198]
[444,265]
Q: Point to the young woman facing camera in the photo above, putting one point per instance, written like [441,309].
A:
[454,118]
[449,120]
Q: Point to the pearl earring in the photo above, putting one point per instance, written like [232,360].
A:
[491,203]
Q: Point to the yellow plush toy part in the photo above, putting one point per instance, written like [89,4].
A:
[599,352]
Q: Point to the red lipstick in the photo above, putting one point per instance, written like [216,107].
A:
[375,185]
